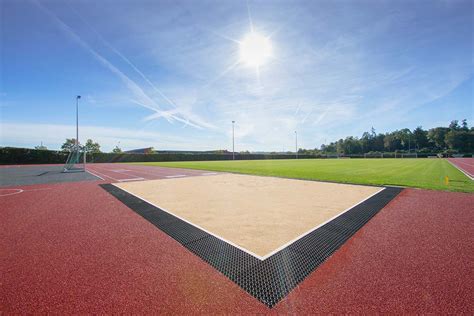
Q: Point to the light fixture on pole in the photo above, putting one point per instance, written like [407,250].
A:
[233,143]
[296,144]
[77,121]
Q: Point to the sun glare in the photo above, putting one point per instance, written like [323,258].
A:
[255,49]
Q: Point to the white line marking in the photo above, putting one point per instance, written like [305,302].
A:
[105,175]
[210,233]
[464,163]
[208,173]
[40,189]
[128,173]
[131,179]
[149,172]
[314,228]
[246,250]
[462,170]
[95,175]
[120,170]
[17,191]
[176,176]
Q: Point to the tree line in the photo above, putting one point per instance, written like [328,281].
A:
[456,138]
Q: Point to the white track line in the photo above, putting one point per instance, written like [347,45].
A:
[464,163]
[462,170]
[209,173]
[246,250]
[95,175]
[177,176]
[120,180]
[103,175]
[314,228]
[149,172]
[157,173]
[119,172]
[17,191]
[131,179]
[184,220]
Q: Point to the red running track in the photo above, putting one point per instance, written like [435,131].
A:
[73,248]
[113,172]
[466,165]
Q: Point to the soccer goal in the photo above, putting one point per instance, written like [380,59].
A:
[76,161]
[409,155]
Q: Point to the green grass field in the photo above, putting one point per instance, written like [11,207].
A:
[418,173]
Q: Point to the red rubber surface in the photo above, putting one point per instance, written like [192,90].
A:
[113,172]
[415,256]
[74,248]
[465,164]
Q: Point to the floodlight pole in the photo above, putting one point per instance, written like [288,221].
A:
[77,121]
[233,143]
[296,144]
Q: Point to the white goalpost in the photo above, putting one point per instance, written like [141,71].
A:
[76,160]
[409,155]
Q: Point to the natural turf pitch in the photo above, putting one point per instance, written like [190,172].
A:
[418,173]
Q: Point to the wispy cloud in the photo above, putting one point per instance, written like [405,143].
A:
[53,135]
[337,68]
[144,99]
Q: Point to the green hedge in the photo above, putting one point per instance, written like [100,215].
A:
[10,155]
[108,157]
[19,156]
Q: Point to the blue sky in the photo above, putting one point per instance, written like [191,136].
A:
[169,74]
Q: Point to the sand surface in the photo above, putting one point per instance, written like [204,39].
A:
[259,214]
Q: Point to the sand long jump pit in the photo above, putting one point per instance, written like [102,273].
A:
[265,233]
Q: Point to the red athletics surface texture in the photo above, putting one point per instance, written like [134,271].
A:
[73,248]
[113,172]
[465,164]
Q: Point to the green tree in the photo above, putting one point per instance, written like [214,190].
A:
[378,143]
[457,136]
[68,144]
[420,138]
[340,146]
[365,142]
[92,147]
[460,140]
[454,125]
[117,150]
[405,138]
[391,141]
[437,135]
[464,126]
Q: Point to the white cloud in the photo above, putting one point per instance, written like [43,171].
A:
[330,77]
[54,135]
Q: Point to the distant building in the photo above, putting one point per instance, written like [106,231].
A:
[192,152]
[148,150]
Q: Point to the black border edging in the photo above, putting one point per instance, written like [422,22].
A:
[268,280]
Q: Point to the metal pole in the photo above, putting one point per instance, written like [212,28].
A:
[409,143]
[77,121]
[296,144]
[233,142]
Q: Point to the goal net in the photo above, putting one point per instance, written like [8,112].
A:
[76,161]
[408,155]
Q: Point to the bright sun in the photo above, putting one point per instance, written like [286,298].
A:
[255,49]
